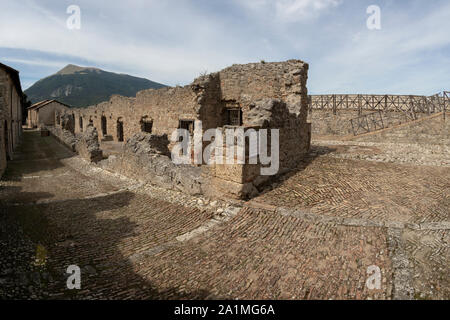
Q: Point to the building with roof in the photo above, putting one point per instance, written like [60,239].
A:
[43,113]
[11,99]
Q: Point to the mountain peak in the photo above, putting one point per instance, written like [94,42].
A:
[84,86]
[71,69]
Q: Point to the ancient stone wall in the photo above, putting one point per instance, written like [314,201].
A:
[3,146]
[88,146]
[10,116]
[163,107]
[85,144]
[214,100]
[145,158]
[327,123]
[271,96]
[433,130]
[245,84]
[245,180]
[63,136]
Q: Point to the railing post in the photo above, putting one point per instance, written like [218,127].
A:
[445,97]
[411,106]
[427,104]
[334,104]
[359,105]
[353,127]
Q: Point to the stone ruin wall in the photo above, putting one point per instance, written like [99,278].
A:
[164,107]
[326,123]
[434,130]
[270,95]
[2,132]
[253,82]
[85,144]
[10,118]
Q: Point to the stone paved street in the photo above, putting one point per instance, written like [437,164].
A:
[312,235]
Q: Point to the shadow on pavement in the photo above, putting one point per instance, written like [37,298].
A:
[38,242]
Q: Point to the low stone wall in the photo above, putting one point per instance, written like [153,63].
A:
[428,131]
[63,136]
[86,144]
[144,158]
[326,123]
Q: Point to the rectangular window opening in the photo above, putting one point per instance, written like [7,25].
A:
[187,125]
[234,117]
[147,126]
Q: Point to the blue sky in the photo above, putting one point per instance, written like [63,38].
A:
[173,41]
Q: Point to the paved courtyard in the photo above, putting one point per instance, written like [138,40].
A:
[311,235]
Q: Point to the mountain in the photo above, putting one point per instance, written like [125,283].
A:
[82,86]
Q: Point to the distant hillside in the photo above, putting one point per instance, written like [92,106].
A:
[82,87]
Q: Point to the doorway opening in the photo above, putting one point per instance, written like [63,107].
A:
[104,126]
[120,130]
[6,140]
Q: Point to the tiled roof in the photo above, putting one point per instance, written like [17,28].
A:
[46,102]
[40,104]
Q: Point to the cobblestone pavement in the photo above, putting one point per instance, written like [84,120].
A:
[313,235]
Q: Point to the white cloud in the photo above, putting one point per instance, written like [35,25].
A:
[123,42]
[173,43]
[37,62]
[400,58]
[295,10]
[290,10]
